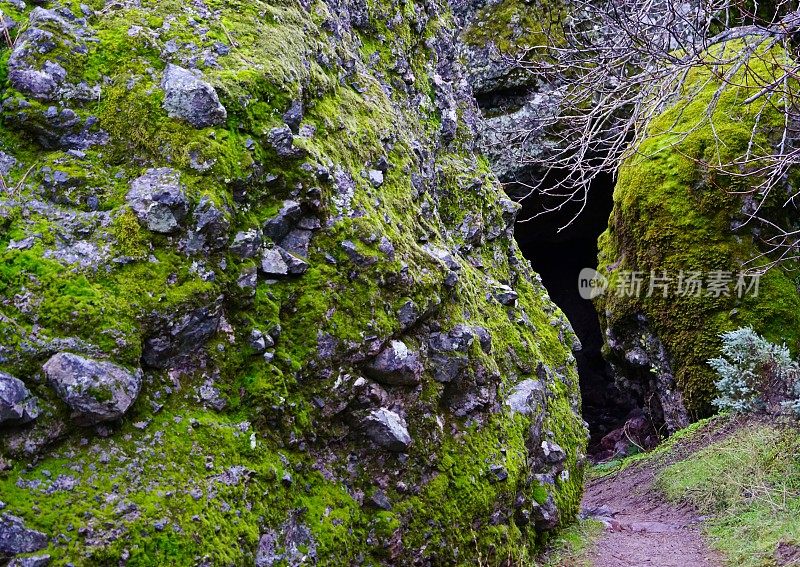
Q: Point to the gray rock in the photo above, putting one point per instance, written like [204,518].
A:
[246,243]
[182,336]
[379,500]
[7,163]
[293,545]
[458,339]
[526,397]
[279,226]
[42,80]
[294,264]
[211,223]
[498,472]
[190,98]
[553,453]
[272,263]
[448,368]
[408,314]
[396,364]
[16,538]
[387,429]
[484,338]
[158,199]
[375,177]
[505,295]
[17,404]
[282,141]
[359,259]
[294,116]
[260,341]
[248,279]
[297,242]
[95,391]
[443,256]
[33,561]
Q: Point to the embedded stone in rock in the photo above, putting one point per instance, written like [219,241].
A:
[279,226]
[387,429]
[158,199]
[17,404]
[505,295]
[33,561]
[553,453]
[190,98]
[282,140]
[246,243]
[16,538]
[397,365]
[272,263]
[184,335]
[526,397]
[95,391]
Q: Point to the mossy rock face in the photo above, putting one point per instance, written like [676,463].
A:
[336,208]
[673,215]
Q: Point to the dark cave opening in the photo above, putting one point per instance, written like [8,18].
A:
[559,257]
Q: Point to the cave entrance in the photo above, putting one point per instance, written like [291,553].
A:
[559,257]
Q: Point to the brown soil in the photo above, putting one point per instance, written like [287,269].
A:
[642,528]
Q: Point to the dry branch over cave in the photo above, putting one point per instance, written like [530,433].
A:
[615,66]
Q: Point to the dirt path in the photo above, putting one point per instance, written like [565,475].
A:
[642,528]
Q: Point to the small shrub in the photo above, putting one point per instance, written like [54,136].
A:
[754,374]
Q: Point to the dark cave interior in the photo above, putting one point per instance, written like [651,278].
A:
[559,257]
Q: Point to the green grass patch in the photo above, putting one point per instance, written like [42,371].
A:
[572,545]
[749,483]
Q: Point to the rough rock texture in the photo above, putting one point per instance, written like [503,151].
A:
[671,216]
[188,97]
[17,404]
[95,391]
[494,35]
[16,538]
[158,200]
[340,209]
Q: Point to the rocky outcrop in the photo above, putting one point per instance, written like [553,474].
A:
[676,231]
[158,200]
[15,538]
[94,391]
[17,404]
[277,213]
[188,97]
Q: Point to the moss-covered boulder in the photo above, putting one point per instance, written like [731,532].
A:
[677,218]
[252,203]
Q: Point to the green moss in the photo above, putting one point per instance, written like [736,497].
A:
[515,26]
[347,298]
[671,213]
[748,486]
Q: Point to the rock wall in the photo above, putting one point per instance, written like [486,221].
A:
[259,297]
[674,216]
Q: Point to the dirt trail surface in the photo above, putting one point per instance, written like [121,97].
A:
[641,527]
